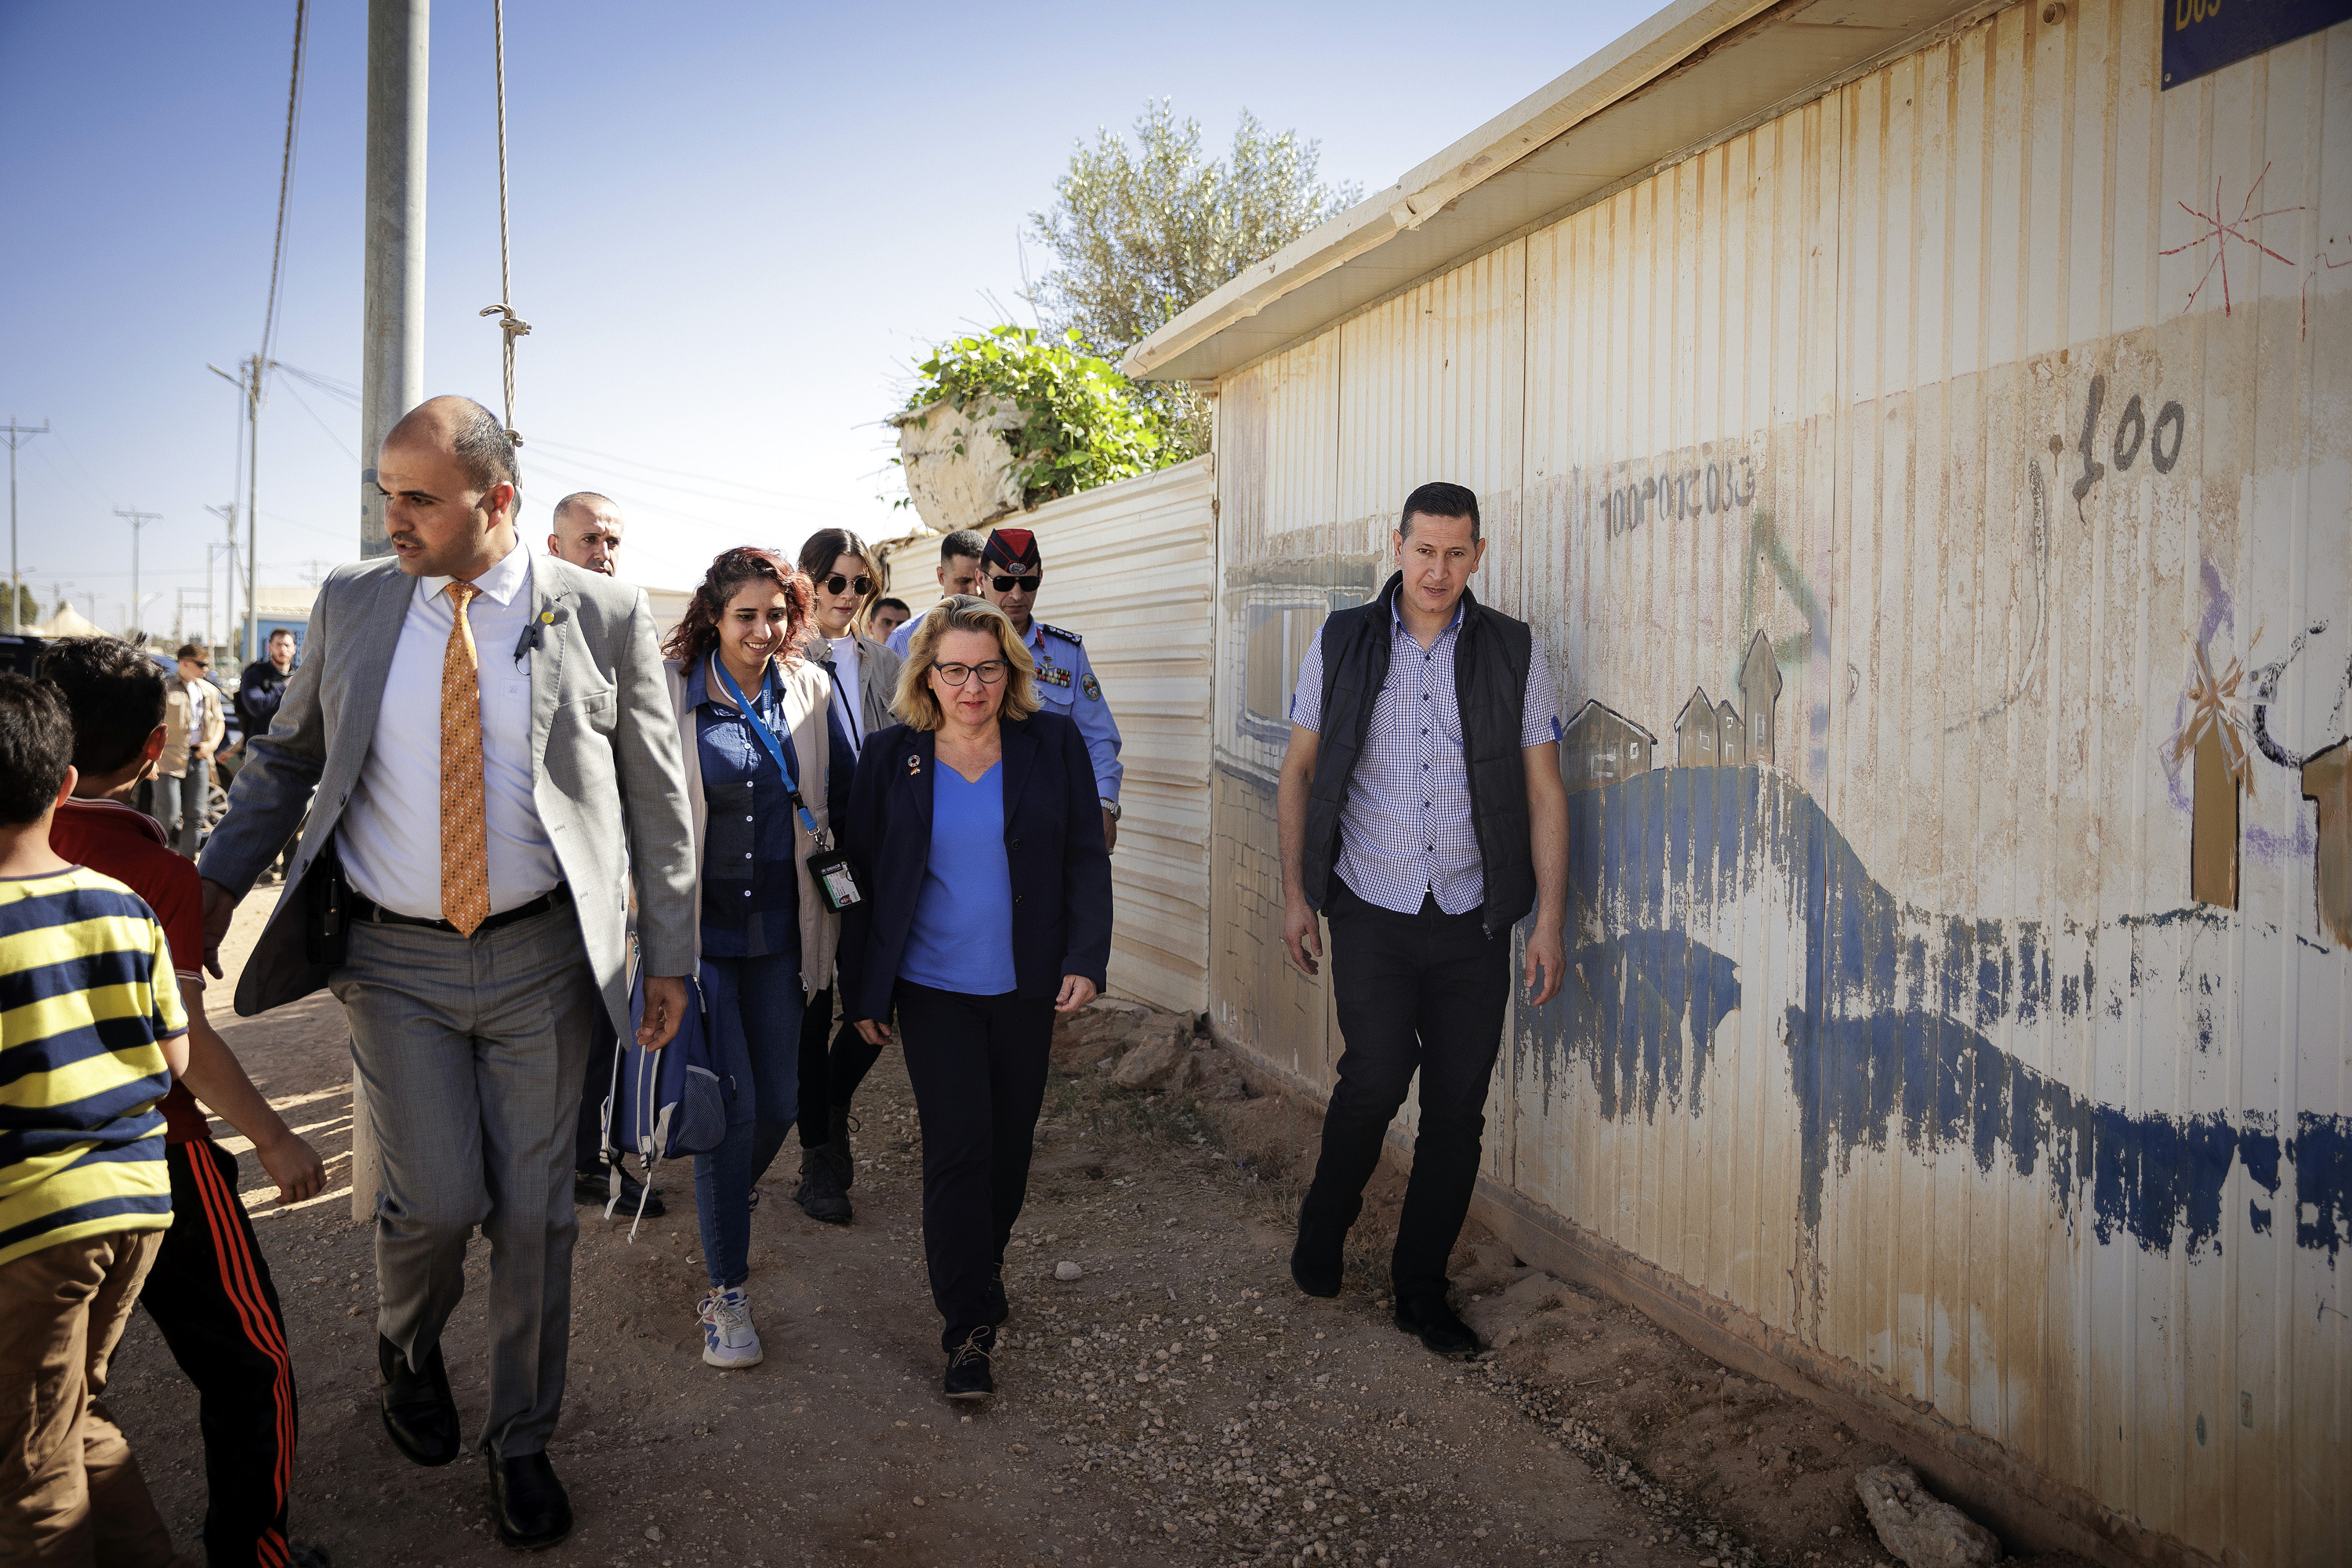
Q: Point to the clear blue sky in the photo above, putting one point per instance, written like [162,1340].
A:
[733,227]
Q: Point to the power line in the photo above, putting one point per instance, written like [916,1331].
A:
[285,180]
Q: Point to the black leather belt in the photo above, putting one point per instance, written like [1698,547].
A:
[366,909]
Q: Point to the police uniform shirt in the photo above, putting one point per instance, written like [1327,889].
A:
[1067,685]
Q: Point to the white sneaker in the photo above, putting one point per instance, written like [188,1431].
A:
[729,1339]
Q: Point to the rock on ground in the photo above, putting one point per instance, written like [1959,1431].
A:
[1920,1528]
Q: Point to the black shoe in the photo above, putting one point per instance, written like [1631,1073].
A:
[820,1195]
[310,1554]
[845,1161]
[968,1373]
[999,1308]
[419,1413]
[1434,1322]
[1315,1258]
[596,1187]
[529,1504]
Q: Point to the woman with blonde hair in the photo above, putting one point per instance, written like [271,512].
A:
[766,768]
[974,827]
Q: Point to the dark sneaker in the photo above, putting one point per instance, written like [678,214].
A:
[1434,1322]
[820,1194]
[596,1187]
[968,1375]
[999,1308]
[1315,1258]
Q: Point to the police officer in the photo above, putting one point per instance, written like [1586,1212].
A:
[1011,572]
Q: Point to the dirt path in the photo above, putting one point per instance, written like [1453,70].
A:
[1179,1403]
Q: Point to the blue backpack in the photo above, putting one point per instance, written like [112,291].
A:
[666,1102]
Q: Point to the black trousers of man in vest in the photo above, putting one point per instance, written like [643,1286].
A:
[1426,991]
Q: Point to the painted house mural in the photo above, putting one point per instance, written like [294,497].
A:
[1937,503]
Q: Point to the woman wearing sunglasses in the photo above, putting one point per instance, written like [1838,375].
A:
[865,675]
[974,827]
[766,766]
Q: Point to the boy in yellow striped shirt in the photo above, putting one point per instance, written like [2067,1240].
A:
[92,1032]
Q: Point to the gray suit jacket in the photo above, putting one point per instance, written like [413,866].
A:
[606,773]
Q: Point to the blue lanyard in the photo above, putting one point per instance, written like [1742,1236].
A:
[784,759]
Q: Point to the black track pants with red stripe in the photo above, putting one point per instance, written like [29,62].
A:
[211,1295]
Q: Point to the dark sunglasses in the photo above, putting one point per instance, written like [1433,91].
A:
[1006,585]
[837,583]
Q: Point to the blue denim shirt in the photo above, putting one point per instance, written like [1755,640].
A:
[750,889]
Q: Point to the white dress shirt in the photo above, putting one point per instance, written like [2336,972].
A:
[848,697]
[390,831]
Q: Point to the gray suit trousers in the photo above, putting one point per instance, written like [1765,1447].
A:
[471,1052]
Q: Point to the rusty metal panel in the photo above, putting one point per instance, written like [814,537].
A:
[1937,504]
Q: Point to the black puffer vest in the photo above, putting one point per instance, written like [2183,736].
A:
[1490,683]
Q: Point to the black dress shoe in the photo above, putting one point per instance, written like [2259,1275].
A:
[1315,1258]
[968,1375]
[820,1194]
[532,1508]
[596,1187]
[1436,1326]
[999,1308]
[419,1413]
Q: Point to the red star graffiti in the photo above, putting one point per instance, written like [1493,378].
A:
[2220,232]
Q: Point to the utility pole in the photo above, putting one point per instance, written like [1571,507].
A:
[57,597]
[212,552]
[392,341]
[137,520]
[17,435]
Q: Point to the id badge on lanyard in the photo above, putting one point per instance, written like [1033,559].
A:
[829,868]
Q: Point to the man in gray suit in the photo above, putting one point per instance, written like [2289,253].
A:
[485,747]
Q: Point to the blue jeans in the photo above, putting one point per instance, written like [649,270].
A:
[180,805]
[755,1033]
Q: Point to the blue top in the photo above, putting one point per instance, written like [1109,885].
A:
[1405,831]
[962,938]
[751,886]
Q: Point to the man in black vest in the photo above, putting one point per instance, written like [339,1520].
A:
[1422,814]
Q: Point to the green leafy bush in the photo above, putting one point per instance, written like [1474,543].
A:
[1081,425]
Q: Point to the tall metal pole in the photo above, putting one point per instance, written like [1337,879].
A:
[252,500]
[17,435]
[138,520]
[392,347]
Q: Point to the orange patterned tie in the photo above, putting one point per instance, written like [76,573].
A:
[465,834]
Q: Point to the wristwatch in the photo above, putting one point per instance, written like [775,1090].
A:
[1111,806]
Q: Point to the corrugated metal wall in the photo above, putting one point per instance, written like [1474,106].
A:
[1978,439]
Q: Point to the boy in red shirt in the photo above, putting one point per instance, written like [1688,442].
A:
[210,1291]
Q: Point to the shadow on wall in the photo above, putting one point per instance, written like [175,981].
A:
[1888,1012]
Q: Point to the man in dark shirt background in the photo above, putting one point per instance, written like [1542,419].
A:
[259,690]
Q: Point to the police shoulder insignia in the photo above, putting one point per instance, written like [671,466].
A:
[1071,637]
[1092,688]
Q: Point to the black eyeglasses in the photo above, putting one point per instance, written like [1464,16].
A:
[989,671]
[837,583]
[1006,585]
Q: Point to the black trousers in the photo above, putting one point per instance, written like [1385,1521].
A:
[829,1074]
[211,1295]
[978,1067]
[588,1136]
[1422,991]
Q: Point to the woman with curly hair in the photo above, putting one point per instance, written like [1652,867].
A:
[757,729]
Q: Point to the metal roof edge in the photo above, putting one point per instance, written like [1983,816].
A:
[1652,47]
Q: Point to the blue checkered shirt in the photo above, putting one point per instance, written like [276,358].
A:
[1405,831]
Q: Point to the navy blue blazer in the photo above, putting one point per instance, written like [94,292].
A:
[1053,840]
